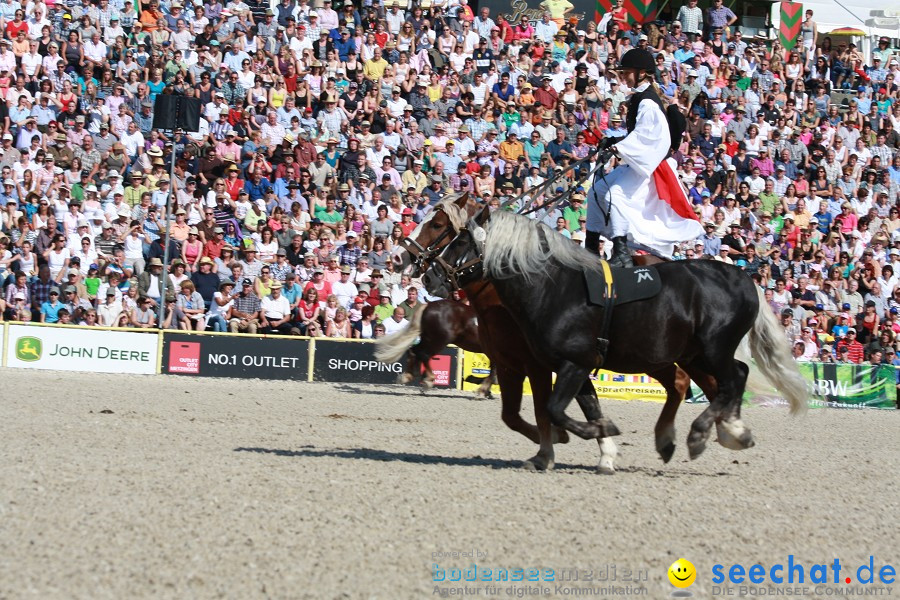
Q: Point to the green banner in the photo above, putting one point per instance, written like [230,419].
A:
[851,386]
[835,386]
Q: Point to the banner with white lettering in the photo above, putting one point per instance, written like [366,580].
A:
[79,349]
[247,357]
[355,362]
[834,385]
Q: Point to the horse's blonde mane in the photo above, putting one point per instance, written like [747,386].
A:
[517,245]
[455,214]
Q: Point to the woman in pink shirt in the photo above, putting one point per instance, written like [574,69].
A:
[847,219]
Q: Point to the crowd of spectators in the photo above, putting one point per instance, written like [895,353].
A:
[327,132]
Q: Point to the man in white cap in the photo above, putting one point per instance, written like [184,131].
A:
[275,312]
[344,288]
[691,86]
[415,177]
[10,154]
[111,186]
[82,231]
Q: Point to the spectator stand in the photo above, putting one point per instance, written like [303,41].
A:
[326,133]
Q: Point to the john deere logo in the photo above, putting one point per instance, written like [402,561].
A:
[28,349]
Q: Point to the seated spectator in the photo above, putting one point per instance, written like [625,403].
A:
[221,305]
[396,322]
[245,314]
[111,313]
[143,317]
[275,313]
[339,326]
[191,303]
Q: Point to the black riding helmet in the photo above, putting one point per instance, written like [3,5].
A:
[637,58]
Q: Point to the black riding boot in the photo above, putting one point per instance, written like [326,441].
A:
[621,255]
[592,242]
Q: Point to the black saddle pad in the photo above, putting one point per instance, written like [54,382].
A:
[628,285]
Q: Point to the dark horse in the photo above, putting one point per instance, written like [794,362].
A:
[505,345]
[431,330]
[698,320]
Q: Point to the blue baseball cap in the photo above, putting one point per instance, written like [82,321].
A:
[845,306]
[820,307]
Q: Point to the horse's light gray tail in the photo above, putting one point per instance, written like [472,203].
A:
[772,358]
[391,349]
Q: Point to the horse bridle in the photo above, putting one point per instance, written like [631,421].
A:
[418,253]
[452,272]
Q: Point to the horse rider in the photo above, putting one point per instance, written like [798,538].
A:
[642,197]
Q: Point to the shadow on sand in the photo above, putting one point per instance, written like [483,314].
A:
[465,461]
[396,389]
[407,457]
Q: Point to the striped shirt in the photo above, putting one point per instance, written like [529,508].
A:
[691,19]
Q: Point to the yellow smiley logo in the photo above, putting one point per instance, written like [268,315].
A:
[682,573]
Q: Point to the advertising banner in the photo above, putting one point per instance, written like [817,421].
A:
[850,386]
[614,386]
[245,357]
[354,362]
[81,349]
[835,386]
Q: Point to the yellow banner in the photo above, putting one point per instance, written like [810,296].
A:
[608,385]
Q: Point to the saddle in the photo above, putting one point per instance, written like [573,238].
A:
[617,286]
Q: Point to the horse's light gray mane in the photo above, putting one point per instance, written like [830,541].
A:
[455,214]
[514,246]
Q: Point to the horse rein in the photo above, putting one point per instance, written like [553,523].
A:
[540,189]
[418,253]
[602,159]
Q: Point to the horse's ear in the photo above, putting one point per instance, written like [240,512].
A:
[462,200]
[482,217]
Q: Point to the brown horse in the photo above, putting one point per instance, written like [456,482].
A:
[507,348]
[431,330]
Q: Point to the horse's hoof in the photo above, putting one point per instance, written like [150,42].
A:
[666,452]
[480,394]
[606,467]
[697,438]
[696,448]
[427,384]
[538,463]
[734,435]
[558,435]
[733,443]
[405,378]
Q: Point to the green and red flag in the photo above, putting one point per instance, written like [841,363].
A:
[789,31]
[638,11]
[603,7]
[641,11]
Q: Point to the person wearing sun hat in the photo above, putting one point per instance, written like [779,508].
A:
[647,205]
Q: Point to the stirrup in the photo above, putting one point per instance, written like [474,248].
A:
[623,262]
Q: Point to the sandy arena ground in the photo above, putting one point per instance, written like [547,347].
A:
[166,487]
